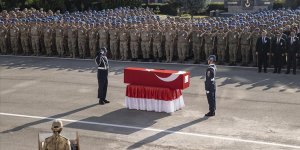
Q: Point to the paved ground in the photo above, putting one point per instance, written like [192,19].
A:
[254,111]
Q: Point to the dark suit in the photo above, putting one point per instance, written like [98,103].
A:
[278,49]
[262,48]
[293,48]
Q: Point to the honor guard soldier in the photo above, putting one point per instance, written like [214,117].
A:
[210,85]
[57,141]
[102,63]
[278,49]
[262,51]
[293,49]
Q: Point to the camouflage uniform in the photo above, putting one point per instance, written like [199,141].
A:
[197,42]
[92,42]
[14,39]
[146,43]
[135,36]
[157,44]
[3,39]
[25,39]
[254,36]
[169,45]
[221,46]
[182,46]
[233,46]
[114,40]
[124,38]
[72,40]
[59,40]
[245,46]
[35,40]
[48,40]
[209,39]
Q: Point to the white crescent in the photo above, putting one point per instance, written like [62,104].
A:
[172,77]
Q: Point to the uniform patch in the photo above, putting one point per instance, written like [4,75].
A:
[208,73]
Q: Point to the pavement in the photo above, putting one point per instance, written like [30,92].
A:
[254,110]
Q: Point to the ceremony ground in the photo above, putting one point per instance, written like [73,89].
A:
[254,111]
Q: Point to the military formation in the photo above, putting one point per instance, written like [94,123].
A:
[138,34]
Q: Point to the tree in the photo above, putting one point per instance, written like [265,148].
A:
[291,3]
[195,6]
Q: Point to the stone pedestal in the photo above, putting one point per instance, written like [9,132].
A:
[240,6]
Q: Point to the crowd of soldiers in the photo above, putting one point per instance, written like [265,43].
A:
[138,34]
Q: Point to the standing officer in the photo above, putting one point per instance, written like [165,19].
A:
[221,45]
[182,47]
[124,38]
[254,36]
[157,43]
[114,41]
[262,51]
[197,42]
[102,63]
[59,39]
[57,141]
[103,36]
[245,45]
[210,85]
[292,51]
[278,45]
[233,45]
[47,39]
[14,36]
[82,36]
[146,43]
[92,34]
[24,34]
[135,36]
[34,32]
[170,41]
[3,39]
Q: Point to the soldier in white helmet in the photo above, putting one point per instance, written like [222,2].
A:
[57,141]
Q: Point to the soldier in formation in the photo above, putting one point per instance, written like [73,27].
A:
[138,34]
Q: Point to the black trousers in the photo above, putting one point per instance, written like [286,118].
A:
[291,62]
[211,98]
[262,61]
[277,60]
[102,83]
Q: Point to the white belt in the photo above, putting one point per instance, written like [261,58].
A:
[102,68]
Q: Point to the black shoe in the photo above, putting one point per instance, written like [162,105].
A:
[101,102]
[265,71]
[274,71]
[287,73]
[106,101]
[209,114]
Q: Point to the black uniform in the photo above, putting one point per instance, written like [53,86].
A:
[292,48]
[278,49]
[102,74]
[262,48]
[210,87]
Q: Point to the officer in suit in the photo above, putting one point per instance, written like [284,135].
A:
[292,51]
[278,49]
[210,85]
[262,51]
[102,63]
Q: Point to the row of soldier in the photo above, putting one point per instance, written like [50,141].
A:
[167,38]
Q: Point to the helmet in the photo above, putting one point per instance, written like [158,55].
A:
[57,126]
[212,58]
[103,50]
